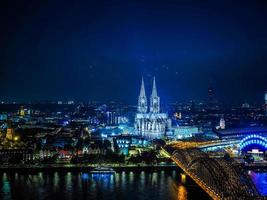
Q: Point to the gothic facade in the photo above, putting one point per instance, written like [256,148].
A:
[151,123]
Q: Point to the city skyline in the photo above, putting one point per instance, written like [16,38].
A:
[209,98]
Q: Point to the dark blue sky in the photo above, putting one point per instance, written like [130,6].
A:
[98,50]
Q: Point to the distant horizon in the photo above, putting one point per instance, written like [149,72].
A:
[65,102]
[148,88]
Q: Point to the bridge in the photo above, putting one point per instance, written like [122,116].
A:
[220,178]
[205,145]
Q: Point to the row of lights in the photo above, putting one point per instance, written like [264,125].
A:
[253,136]
[253,139]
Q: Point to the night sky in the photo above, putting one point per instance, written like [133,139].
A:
[99,50]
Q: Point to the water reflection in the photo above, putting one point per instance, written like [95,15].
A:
[56,180]
[154,178]
[69,182]
[124,185]
[85,176]
[182,193]
[6,187]
[260,180]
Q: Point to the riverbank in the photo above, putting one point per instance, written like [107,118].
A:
[84,168]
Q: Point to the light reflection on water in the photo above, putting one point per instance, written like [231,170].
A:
[124,185]
[5,187]
[260,180]
[182,193]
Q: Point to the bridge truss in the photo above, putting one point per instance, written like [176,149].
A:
[221,178]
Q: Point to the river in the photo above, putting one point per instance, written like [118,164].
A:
[128,185]
[260,180]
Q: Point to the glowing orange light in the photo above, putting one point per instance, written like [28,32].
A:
[182,193]
[183,178]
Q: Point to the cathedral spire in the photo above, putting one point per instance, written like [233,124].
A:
[154,99]
[142,90]
[154,90]
[142,100]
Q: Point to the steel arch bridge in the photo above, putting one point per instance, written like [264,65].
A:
[220,178]
[253,140]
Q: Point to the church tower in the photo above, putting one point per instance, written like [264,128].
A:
[142,100]
[222,123]
[152,124]
[154,99]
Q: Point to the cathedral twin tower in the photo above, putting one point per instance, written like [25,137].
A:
[152,124]
[154,99]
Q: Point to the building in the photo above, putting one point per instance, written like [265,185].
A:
[22,111]
[125,143]
[10,133]
[150,124]
[265,98]
[182,132]
[96,147]
[253,144]
[245,105]
[15,156]
[222,123]
[114,118]
[3,117]
[239,133]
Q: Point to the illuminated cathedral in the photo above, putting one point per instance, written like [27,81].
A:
[150,124]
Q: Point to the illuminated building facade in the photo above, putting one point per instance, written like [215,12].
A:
[181,132]
[222,123]
[253,144]
[240,133]
[152,124]
[21,111]
[10,133]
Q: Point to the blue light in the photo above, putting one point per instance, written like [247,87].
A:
[85,176]
[253,140]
